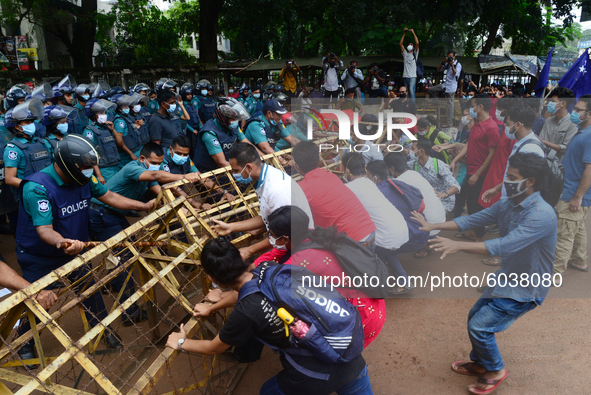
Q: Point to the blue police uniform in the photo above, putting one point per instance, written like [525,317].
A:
[223,140]
[207,108]
[81,120]
[109,162]
[145,114]
[47,200]
[133,138]
[28,156]
[40,129]
[193,111]
[7,200]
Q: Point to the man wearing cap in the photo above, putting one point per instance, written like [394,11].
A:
[265,131]
[54,209]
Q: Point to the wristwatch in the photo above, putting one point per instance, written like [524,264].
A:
[446,194]
[180,343]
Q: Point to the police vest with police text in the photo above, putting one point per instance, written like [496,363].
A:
[107,143]
[202,158]
[36,157]
[207,109]
[273,133]
[69,208]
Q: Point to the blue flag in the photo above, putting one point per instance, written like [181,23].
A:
[543,78]
[578,77]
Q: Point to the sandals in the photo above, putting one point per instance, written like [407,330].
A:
[418,254]
[492,261]
[494,383]
[570,265]
[464,237]
[468,369]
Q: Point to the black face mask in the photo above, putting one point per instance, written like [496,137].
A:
[402,95]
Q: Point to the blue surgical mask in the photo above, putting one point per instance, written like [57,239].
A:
[29,129]
[575,118]
[238,177]
[87,172]
[473,113]
[125,110]
[513,188]
[172,108]
[552,108]
[256,95]
[62,128]
[233,125]
[204,92]
[150,167]
[179,159]
[272,122]
[390,88]
[85,97]
[231,90]
[509,134]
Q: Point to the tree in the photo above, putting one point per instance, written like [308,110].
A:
[55,17]
[144,36]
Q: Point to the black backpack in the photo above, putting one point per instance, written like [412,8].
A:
[357,261]
[420,68]
[554,183]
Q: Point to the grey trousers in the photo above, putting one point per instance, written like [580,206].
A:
[450,101]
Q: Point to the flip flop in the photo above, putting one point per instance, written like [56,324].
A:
[463,236]
[426,249]
[492,261]
[494,383]
[464,365]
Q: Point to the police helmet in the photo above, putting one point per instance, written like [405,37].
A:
[43,92]
[66,85]
[123,100]
[32,109]
[165,84]
[101,91]
[137,88]
[228,107]
[18,91]
[72,153]
[187,89]
[96,106]
[116,90]
[52,114]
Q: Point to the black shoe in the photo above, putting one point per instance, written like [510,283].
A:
[112,339]
[28,352]
[133,213]
[137,317]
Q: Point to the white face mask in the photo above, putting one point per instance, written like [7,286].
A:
[137,108]
[101,118]
[273,242]
[422,132]
[409,48]
[498,115]
[464,120]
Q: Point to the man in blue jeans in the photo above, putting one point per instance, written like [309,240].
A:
[255,318]
[410,55]
[528,228]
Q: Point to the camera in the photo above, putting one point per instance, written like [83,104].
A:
[332,56]
[351,68]
[450,59]
[405,30]
[290,62]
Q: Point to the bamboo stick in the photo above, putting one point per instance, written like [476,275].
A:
[92,244]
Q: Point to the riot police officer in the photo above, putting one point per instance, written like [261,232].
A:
[82,93]
[54,209]
[63,90]
[56,122]
[25,154]
[144,111]
[265,131]
[43,92]
[131,133]
[207,103]
[101,132]
[219,134]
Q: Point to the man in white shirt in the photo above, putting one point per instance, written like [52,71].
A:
[453,68]
[410,55]
[391,228]
[353,78]
[274,189]
[398,168]
[331,65]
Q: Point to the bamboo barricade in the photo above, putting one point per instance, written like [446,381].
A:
[159,258]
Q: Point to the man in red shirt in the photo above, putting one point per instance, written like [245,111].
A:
[480,149]
[331,202]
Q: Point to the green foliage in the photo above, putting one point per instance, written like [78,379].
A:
[144,36]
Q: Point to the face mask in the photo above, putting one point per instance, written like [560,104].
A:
[316,90]
[498,115]
[233,125]
[62,128]
[417,154]
[402,95]
[231,90]
[87,172]
[575,118]
[172,108]
[101,118]
[273,242]
[464,120]
[238,177]
[509,134]
[422,132]
[137,108]
[463,97]
[125,110]
[29,130]
[473,113]
[203,92]
[272,122]
[256,95]
[409,48]
[179,159]
[552,108]
[150,166]
[390,88]
[513,188]
[85,97]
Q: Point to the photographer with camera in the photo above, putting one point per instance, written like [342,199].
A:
[453,68]
[288,75]
[377,80]
[410,55]
[353,78]
[331,65]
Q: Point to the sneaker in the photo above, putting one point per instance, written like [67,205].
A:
[27,351]
[112,339]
